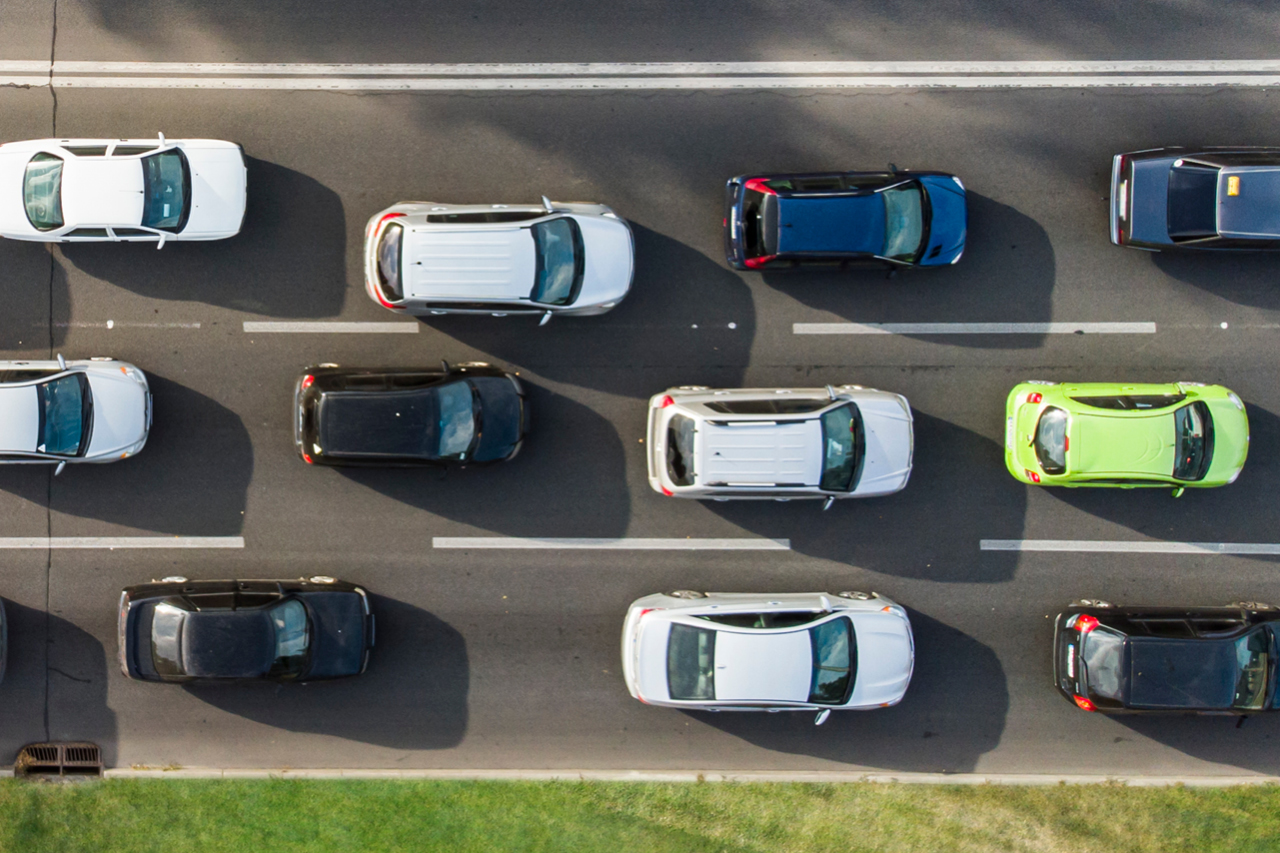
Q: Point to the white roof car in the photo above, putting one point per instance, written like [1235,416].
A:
[779,443]
[121,190]
[569,258]
[55,412]
[719,651]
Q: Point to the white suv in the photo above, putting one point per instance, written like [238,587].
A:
[719,651]
[555,258]
[779,443]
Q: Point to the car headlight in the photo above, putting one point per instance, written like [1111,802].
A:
[1234,398]
[959,183]
[1234,476]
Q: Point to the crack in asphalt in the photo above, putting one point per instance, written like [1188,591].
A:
[48,503]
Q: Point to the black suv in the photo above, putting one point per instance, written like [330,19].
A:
[459,415]
[1206,660]
[281,630]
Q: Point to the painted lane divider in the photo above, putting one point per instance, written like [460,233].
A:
[624,544]
[113,542]
[973,328]
[331,327]
[1088,546]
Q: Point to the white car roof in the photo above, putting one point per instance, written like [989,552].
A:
[480,264]
[770,452]
[19,419]
[102,191]
[763,666]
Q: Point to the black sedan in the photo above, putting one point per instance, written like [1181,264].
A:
[218,631]
[1196,198]
[1206,660]
[845,220]
[460,415]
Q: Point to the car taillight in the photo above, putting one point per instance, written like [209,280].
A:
[1085,624]
[759,185]
[306,457]
[1032,475]
[307,381]
[1085,704]
[667,491]
[641,614]
[757,263]
[1034,397]
[1066,443]
[666,401]
[384,219]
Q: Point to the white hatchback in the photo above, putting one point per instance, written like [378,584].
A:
[121,190]
[779,443]
[570,258]
[56,412]
[719,651]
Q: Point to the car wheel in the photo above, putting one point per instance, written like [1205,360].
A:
[1038,382]
[856,596]
[686,593]
[1252,605]
[1091,602]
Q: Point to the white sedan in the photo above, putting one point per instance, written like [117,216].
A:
[121,190]
[717,651]
[55,412]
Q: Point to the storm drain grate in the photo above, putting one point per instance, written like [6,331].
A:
[58,760]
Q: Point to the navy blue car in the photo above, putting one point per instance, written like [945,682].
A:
[1207,199]
[845,220]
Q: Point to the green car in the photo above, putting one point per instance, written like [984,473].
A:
[1125,436]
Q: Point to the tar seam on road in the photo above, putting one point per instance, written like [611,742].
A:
[973,328]
[603,76]
[1089,546]
[332,327]
[113,542]
[626,544]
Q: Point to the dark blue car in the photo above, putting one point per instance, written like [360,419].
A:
[845,220]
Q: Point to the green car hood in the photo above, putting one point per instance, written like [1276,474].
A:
[1230,440]
[1122,445]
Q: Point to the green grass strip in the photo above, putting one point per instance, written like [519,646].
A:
[281,816]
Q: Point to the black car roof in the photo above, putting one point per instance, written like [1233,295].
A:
[1167,673]
[381,423]
[227,643]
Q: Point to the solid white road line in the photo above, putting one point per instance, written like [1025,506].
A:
[125,324]
[1088,546]
[394,328]
[112,542]
[692,776]
[626,544]
[973,328]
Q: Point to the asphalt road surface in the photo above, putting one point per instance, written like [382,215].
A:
[509,659]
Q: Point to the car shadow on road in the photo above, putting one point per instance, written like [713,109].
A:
[413,696]
[686,312]
[289,259]
[958,494]
[568,480]
[953,713]
[1006,275]
[1249,745]
[1244,511]
[1246,279]
[191,478]
[33,284]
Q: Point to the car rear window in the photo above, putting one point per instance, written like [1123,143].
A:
[759,223]
[42,192]
[842,448]
[691,659]
[1051,440]
[1193,201]
[166,636]
[680,435]
[1193,441]
[834,660]
[389,261]
[1103,655]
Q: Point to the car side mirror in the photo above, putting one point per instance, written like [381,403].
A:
[546,318]
[822,716]
[546,204]
[58,470]
[62,362]
[827,504]
[160,242]
[1179,491]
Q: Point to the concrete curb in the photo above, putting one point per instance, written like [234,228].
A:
[690,776]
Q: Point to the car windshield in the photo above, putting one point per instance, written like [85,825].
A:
[293,637]
[389,261]
[1193,439]
[560,261]
[680,433]
[903,221]
[1051,440]
[842,443]
[42,192]
[834,660]
[691,658]
[166,637]
[65,411]
[1253,662]
[166,190]
[457,419]
[1103,653]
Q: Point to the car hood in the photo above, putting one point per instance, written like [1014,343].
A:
[13,214]
[836,224]
[609,260]
[949,222]
[886,657]
[1122,445]
[19,418]
[1230,440]
[763,667]
[119,413]
[102,191]
[890,443]
[500,408]
[227,644]
[218,191]
[338,633]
